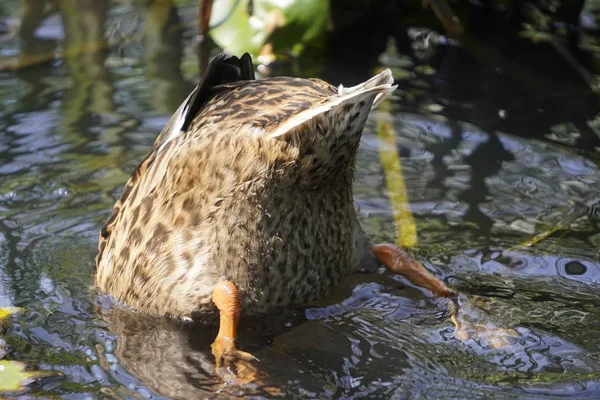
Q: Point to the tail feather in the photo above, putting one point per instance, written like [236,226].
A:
[222,69]
[382,79]
[380,85]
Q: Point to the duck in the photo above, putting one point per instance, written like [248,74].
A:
[244,204]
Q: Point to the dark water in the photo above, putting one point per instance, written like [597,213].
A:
[498,141]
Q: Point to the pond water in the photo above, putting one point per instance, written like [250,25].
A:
[495,147]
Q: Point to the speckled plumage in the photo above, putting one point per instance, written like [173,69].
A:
[250,182]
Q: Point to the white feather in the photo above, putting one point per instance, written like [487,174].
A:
[173,126]
[379,87]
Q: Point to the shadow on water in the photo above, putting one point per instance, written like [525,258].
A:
[498,141]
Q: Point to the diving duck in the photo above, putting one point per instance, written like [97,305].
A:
[244,204]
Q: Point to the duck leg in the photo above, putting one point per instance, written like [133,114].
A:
[232,365]
[396,261]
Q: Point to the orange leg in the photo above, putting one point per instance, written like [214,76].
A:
[232,365]
[397,261]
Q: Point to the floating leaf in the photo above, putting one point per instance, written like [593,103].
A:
[6,311]
[14,376]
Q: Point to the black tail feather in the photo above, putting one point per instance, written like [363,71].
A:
[222,69]
[247,69]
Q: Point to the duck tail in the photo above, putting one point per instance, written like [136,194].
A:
[380,86]
[382,80]
[224,68]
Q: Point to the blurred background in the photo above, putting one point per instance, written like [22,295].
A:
[484,164]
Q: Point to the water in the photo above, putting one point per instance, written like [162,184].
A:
[491,155]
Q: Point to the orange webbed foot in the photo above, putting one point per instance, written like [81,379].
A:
[233,366]
[396,261]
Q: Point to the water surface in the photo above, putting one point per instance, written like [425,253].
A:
[489,159]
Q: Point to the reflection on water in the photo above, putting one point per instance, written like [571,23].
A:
[488,162]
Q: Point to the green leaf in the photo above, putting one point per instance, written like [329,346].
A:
[291,22]
[6,311]
[231,28]
[14,376]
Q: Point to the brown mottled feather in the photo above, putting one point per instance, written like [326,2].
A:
[221,199]
[223,69]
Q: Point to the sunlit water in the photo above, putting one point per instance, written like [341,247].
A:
[486,168]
